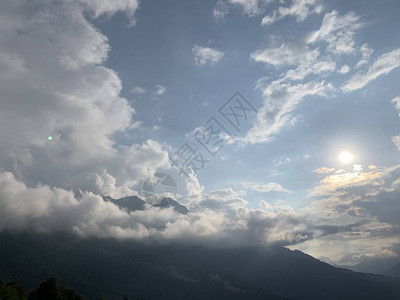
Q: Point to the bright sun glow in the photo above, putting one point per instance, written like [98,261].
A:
[346,157]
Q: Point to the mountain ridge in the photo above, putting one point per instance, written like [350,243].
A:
[115,269]
[134,203]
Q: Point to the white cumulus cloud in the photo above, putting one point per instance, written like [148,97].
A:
[54,83]
[206,55]
[110,7]
[344,69]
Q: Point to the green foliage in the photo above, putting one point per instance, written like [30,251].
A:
[11,291]
[46,291]
[51,290]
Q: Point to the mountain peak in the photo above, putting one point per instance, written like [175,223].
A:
[130,203]
[169,202]
[133,203]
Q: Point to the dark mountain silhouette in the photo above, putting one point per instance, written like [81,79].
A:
[168,202]
[116,269]
[133,203]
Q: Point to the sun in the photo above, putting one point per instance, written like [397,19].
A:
[346,157]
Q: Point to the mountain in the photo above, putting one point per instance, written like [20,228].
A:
[168,202]
[133,203]
[394,271]
[116,269]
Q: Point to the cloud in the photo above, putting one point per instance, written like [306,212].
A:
[110,7]
[366,52]
[308,68]
[54,83]
[44,209]
[206,56]
[324,170]
[137,90]
[159,91]
[301,9]
[250,7]
[265,188]
[280,99]
[359,194]
[396,139]
[332,183]
[373,253]
[334,249]
[344,69]
[126,168]
[224,199]
[302,58]
[338,32]
[220,10]
[383,65]
[396,102]
[295,54]
[368,199]
[285,55]
[264,226]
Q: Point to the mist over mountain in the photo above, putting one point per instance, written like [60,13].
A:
[393,271]
[374,265]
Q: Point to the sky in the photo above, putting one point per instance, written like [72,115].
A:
[278,121]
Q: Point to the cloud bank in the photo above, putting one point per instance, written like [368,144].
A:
[43,208]
[54,83]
